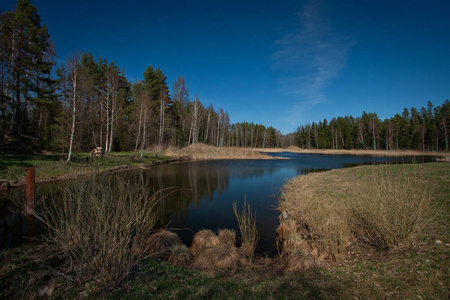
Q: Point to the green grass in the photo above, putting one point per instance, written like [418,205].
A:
[13,167]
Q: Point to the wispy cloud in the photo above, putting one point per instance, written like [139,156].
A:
[310,57]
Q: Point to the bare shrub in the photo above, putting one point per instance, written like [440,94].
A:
[160,244]
[100,223]
[221,257]
[247,226]
[392,209]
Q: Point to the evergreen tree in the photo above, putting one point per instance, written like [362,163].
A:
[26,62]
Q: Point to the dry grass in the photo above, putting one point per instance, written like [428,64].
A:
[204,239]
[384,208]
[227,237]
[201,151]
[220,257]
[216,252]
[298,260]
[247,226]
[99,224]
[180,255]
[295,149]
[160,244]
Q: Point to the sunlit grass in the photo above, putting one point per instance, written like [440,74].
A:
[13,167]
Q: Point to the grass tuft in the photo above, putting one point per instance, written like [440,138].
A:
[160,244]
[247,226]
[204,239]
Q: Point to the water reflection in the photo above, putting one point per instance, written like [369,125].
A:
[199,195]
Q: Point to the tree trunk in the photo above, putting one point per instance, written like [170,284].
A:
[139,129]
[74,109]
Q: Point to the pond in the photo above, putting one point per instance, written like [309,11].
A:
[204,191]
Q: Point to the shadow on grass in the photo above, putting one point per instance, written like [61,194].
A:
[163,280]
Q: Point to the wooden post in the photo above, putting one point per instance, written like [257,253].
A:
[30,191]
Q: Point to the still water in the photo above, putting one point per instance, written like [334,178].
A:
[204,191]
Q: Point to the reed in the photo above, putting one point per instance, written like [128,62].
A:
[247,226]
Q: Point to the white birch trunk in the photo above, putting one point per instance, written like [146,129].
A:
[74,109]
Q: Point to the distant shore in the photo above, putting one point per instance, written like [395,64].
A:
[51,169]
[370,152]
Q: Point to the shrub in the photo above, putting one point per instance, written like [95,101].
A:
[100,223]
[392,209]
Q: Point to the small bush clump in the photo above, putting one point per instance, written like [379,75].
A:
[101,224]
[392,210]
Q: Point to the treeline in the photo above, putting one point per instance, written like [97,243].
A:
[425,129]
[88,102]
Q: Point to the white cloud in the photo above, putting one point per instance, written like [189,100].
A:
[310,57]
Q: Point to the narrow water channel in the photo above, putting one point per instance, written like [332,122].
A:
[204,192]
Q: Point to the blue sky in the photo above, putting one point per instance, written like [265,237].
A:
[277,63]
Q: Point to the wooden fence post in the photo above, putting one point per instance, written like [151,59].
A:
[30,191]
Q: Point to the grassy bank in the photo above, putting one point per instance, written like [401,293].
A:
[53,166]
[383,227]
[412,270]
[206,152]
[394,153]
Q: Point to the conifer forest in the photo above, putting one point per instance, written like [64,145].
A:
[88,102]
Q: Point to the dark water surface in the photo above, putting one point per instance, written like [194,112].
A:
[205,191]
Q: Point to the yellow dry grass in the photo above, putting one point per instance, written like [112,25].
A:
[314,200]
[298,260]
[160,244]
[370,152]
[201,151]
[222,257]
[227,237]
[371,204]
[203,239]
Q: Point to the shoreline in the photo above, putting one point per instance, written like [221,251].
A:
[199,151]
[362,152]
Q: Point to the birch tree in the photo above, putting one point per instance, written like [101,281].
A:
[73,67]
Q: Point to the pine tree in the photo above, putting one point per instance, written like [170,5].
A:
[26,62]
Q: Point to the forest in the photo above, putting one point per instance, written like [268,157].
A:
[88,102]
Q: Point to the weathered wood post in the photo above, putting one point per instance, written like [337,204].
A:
[30,191]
